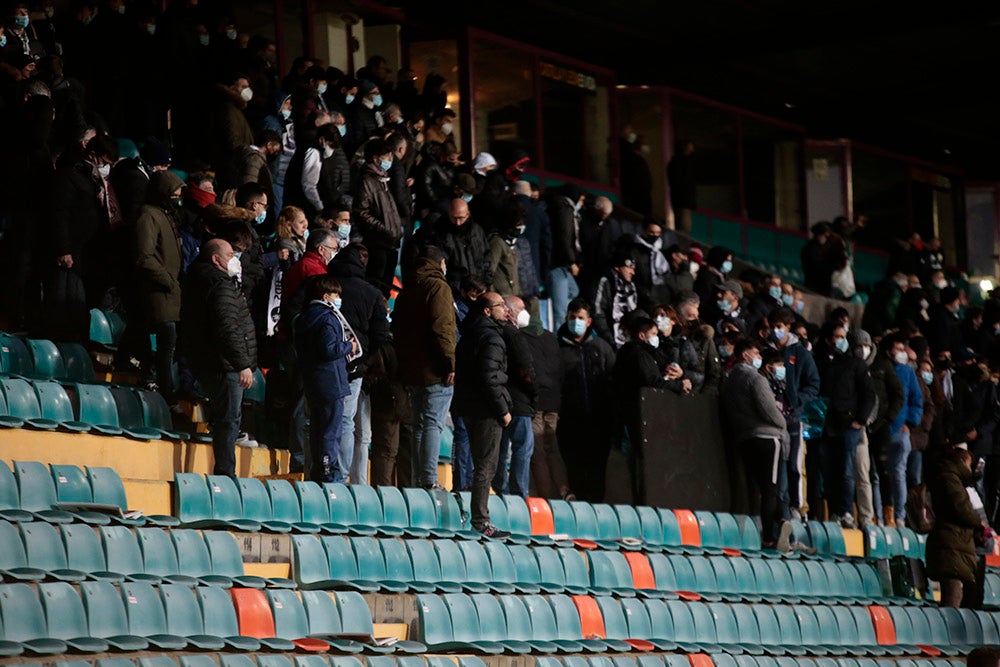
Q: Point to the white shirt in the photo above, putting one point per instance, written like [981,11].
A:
[311,166]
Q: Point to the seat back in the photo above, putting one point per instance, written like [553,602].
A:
[435,621]
[629,524]
[253,613]
[542,522]
[492,622]
[83,548]
[660,619]
[321,612]
[35,486]
[224,553]
[226,502]
[452,562]
[23,617]
[192,554]
[516,618]
[78,364]
[192,499]
[708,526]
[663,572]
[398,565]
[788,623]
[465,625]
[12,553]
[121,550]
[575,567]
[10,497]
[641,571]
[128,406]
[477,564]
[43,546]
[420,509]
[567,617]
[689,527]
[256,502]
[612,614]
[65,616]
[309,564]
[217,612]
[449,514]
[46,360]
[182,610]
[144,609]
[498,511]
[107,487]
[563,518]
[704,623]
[637,618]
[426,566]
[749,533]
[53,402]
[586,520]
[746,622]
[725,576]
[367,503]
[369,557]
[71,484]
[355,617]
[518,516]
[105,609]
[21,399]
[767,625]
[394,511]
[726,629]
[543,621]
[682,622]
[155,411]
[14,356]
[652,527]
[340,507]
[284,504]
[290,621]
[501,563]
[729,531]
[608,527]
[341,563]
[159,555]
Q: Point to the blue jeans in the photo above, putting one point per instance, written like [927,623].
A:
[362,439]
[346,455]
[461,456]
[518,443]
[899,452]
[225,397]
[326,419]
[840,470]
[543,313]
[428,407]
[562,290]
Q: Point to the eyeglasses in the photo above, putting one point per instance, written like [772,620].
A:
[498,305]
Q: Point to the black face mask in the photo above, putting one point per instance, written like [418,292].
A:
[650,238]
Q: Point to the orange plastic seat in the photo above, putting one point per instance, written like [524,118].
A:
[591,618]
[253,613]
[690,530]
[885,629]
[542,522]
[700,660]
[642,571]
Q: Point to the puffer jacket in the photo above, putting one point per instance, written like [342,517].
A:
[423,324]
[586,374]
[218,333]
[158,250]
[951,547]
[481,369]
[375,211]
[322,351]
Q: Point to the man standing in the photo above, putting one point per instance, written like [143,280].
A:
[423,326]
[377,217]
[518,438]
[683,187]
[566,250]
[463,242]
[220,343]
[899,432]
[759,427]
[482,398]
[729,294]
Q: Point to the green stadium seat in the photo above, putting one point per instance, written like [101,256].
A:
[519,625]
[727,630]
[156,416]
[545,626]
[38,493]
[854,584]
[10,497]
[79,366]
[563,517]
[343,510]
[518,519]
[467,628]
[123,554]
[689,638]
[98,408]
[311,567]
[369,511]
[783,583]
[609,571]
[616,628]
[315,508]
[577,576]
[876,547]
[585,520]
[342,566]
[24,624]
[749,632]
[640,625]
[552,574]
[184,618]
[371,565]
[285,506]
[219,618]
[195,559]
[453,569]
[396,514]
[507,570]
[6,419]
[130,414]
[84,552]
[802,583]
[72,486]
[291,622]
[704,575]
[570,626]
[427,567]
[227,562]
[324,621]
[257,506]
[493,624]
[749,534]
[704,624]
[870,579]
[46,360]
[652,527]
[437,632]
[22,405]
[423,513]
[478,568]
[399,566]
[192,500]
[227,504]
[106,617]
[355,618]
[733,587]
[108,489]
[160,558]
[15,359]
[663,574]
[13,559]
[45,551]
[450,516]
[630,525]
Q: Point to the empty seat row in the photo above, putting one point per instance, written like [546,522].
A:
[86,408]
[72,552]
[43,359]
[57,618]
[483,623]
[889,542]
[34,492]
[392,565]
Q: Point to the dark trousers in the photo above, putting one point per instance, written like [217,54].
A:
[382,268]
[484,442]
[326,423]
[225,397]
[163,360]
[762,456]
[385,449]
[584,443]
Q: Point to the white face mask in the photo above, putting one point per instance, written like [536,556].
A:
[327,151]
[104,170]
[447,128]
[523,319]
[694,268]
[901,358]
[246,94]
[234,268]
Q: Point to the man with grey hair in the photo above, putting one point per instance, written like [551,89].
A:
[599,232]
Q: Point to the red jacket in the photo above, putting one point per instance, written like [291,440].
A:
[310,265]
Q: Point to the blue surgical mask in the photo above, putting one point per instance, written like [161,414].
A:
[577,327]
[725,352]
[385,164]
[779,334]
[286,113]
[261,217]
[927,377]
[3,41]
[377,100]
[348,99]
[321,88]
[727,266]
[338,302]
[841,345]
[342,129]
[653,341]
[787,299]
[779,373]
[344,231]
[724,305]
[799,306]
[775,292]
[756,363]
[466,198]
[21,21]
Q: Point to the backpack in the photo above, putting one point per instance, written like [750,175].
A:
[919,509]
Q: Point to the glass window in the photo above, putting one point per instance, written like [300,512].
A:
[826,194]
[643,112]
[880,193]
[504,99]
[772,158]
[575,121]
[716,157]
[439,58]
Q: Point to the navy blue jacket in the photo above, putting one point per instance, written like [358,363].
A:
[801,376]
[322,351]
[913,408]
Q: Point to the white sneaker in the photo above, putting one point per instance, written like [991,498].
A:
[784,544]
[847,521]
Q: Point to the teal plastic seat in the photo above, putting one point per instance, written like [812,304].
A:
[355,618]
[528,572]
[437,632]
[450,516]
[72,486]
[15,359]
[493,623]
[160,558]
[519,625]
[195,560]
[77,362]
[84,552]
[106,617]
[55,406]
[130,414]
[586,521]
[227,505]
[227,562]
[328,563]
[45,551]
[876,547]
[46,360]
[453,569]
[123,554]
[315,508]
[37,492]
[630,525]
[711,535]
[218,617]
[570,627]
[324,621]
[291,622]
[10,497]
[749,632]
[652,528]
[640,625]
[467,628]
[371,565]
[22,406]
[24,623]
[368,505]
[663,573]
[608,528]
[108,489]
[193,501]
[98,408]
[610,572]
[574,565]
[518,519]
[563,518]
[804,588]
[184,618]
[285,506]
[423,514]
[507,571]
[545,628]
[704,623]
[395,512]
[478,568]
[617,629]
[818,537]
[731,586]
[156,416]
[13,559]
[689,638]
[427,567]
[727,631]
[257,506]
[399,565]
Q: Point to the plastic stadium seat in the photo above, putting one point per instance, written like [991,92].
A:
[630,525]
[577,576]
[541,516]
[422,513]
[22,405]
[324,621]
[672,540]
[450,515]
[55,406]
[604,617]
[749,633]
[108,489]
[586,521]
[258,391]
[802,583]
[663,572]
[355,618]
[130,414]
[730,586]
[570,624]
[14,356]
[518,517]
[427,567]
[98,408]
[563,518]
[875,545]
[454,570]
[371,565]
[253,611]
[445,631]
[45,551]
[315,508]
[688,636]
[84,552]
[545,627]
[72,486]
[106,617]
[343,511]
[749,533]
[527,571]
[77,362]
[325,564]
[146,616]
[689,527]
[640,626]
[708,528]
[506,571]
[160,557]
[156,416]
[369,510]
[66,618]
[493,624]
[184,617]
[652,527]
[610,570]
[227,562]
[24,621]
[13,559]
[291,622]
[38,493]
[10,497]
[193,501]
[285,505]
[123,554]
[727,630]
[688,581]
[643,580]
[257,506]
[479,569]
[46,360]
[399,566]
[219,618]
[519,625]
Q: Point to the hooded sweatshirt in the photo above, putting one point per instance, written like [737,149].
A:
[158,249]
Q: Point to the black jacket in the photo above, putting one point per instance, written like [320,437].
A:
[538,231]
[218,334]
[130,181]
[586,375]
[943,330]
[464,246]
[846,382]
[521,372]
[563,218]
[636,367]
[334,179]
[544,349]
[362,305]
[77,215]
[481,369]
[432,184]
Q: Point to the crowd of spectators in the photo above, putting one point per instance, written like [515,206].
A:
[329,230]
